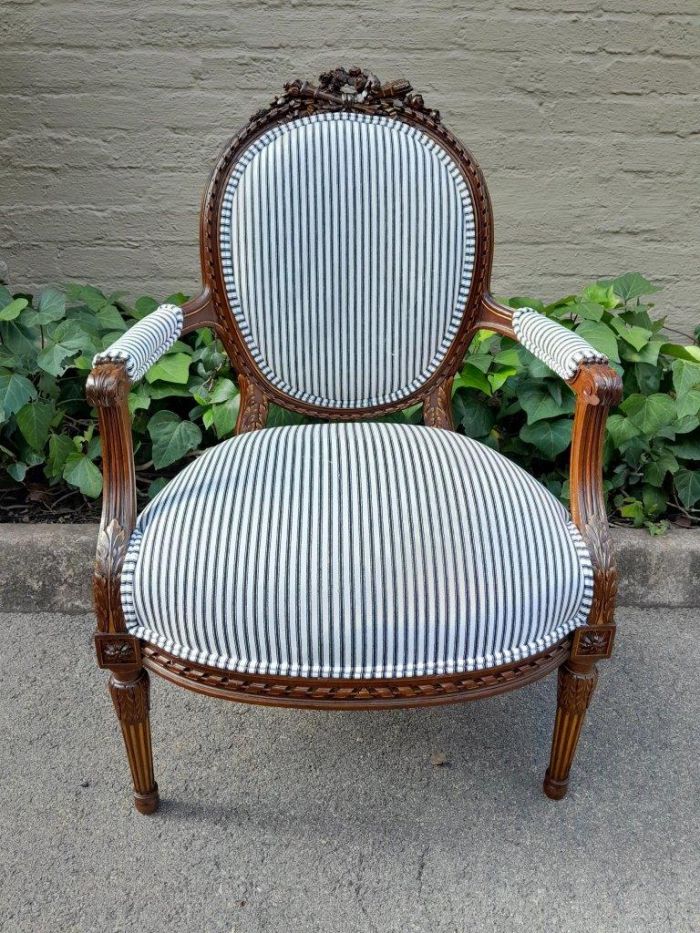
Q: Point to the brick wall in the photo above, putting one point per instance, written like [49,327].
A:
[584,114]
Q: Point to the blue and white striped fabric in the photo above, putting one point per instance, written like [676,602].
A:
[145,342]
[561,349]
[347,246]
[354,550]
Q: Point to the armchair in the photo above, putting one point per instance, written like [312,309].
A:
[346,240]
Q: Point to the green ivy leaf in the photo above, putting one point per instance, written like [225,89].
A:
[473,413]
[15,392]
[470,377]
[654,501]
[550,437]
[34,420]
[601,293]
[688,404]
[51,305]
[656,470]
[690,353]
[172,438]
[621,429]
[651,412]
[601,337]
[224,390]
[687,483]
[225,415]
[143,306]
[13,310]
[60,448]
[538,403]
[174,367]
[688,449]
[17,470]
[80,471]
[686,375]
[499,378]
[52,359]
[636,337]
[632,285]
[110,318]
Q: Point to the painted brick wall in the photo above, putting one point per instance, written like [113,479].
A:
[585,115]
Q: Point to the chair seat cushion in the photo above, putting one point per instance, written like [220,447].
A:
[354,550]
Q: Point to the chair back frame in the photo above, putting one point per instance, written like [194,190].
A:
[337,91]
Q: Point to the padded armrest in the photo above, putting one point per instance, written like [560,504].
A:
[561,349]
[145,342]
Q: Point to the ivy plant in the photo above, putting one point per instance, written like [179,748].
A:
[502,396]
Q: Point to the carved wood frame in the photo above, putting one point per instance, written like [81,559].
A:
[597,388]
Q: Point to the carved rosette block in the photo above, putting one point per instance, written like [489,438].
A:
[117,651]
[593,642]
[131,698]
[574,692]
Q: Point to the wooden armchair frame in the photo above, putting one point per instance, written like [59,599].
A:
[597,387]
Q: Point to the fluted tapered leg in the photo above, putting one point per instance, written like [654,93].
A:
[577,682]
[130,695]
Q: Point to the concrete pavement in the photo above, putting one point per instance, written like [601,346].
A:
[278,820]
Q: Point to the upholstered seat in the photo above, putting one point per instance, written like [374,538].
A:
[354,550]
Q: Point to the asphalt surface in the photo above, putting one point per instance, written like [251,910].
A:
[291,821]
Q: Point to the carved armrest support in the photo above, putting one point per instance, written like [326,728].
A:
[108,390]
[598,388]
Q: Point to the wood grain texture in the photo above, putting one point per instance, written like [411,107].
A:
[131,698]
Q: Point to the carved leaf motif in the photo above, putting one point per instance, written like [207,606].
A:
[131,699]
[111,548]
[254,405]
[437,407]
[574,690]
[604,571]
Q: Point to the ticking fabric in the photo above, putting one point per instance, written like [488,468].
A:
[347,245]
[354,550]
[561,349]
[145,342]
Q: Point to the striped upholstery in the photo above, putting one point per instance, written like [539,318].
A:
[561,349]
[354,550]
[347,246]
[145,342]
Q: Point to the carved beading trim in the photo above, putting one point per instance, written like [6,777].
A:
[349,90]
[352,694]
[131,698]
[575,689]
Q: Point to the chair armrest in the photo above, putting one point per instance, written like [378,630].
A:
[561,349]
[552,343]
[108,390]
[597,388]
[144,343]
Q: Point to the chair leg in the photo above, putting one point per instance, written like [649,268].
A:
[577,682]
[130,695]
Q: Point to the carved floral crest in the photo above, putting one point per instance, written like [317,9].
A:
[350,88]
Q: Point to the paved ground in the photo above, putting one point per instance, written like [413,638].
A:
[278,820]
